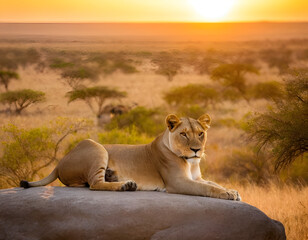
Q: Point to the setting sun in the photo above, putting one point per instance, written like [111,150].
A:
[212,10]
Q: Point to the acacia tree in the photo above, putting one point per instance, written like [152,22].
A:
[25,152]
[94,97]
[205,64]
[76,75]
[233,75]
[6,77]
[280,58]
[168,65]
[21,99]
[283,129]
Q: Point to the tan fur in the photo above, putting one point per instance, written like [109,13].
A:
[170,162]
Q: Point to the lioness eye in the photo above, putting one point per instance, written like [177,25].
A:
[183,134]
[201,134]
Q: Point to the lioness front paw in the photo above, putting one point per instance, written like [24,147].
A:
[129,186]
[230,194]
[238,197]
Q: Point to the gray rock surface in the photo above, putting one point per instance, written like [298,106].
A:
[78,213]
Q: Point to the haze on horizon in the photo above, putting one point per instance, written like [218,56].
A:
[153,10]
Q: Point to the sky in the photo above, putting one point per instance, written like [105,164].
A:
[152,10]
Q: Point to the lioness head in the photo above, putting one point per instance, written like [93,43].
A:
[187,136]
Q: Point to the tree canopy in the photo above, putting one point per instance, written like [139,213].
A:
[21,99]
[233,75]
[94,96]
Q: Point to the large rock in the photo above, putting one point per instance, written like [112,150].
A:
[78,213]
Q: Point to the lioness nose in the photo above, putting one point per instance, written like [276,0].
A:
[195,149]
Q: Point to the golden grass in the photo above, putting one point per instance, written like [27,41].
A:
[287,204]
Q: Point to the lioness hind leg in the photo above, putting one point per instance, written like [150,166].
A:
[114,186]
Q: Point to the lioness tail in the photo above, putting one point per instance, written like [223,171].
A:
[50,178]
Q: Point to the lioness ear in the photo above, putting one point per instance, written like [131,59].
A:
[172,122]
[205,121]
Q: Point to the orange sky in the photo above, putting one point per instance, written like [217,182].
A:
[146,11]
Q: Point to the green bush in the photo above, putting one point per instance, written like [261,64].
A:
[249,164]
[60,64]
[124,66]
[124,136]
[192,94]
[267,90]
[143,120]
[26,151]
[283,128]
[297,172]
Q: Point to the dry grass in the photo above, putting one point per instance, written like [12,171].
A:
[287,204]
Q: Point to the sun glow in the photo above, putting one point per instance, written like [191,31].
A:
[212,10]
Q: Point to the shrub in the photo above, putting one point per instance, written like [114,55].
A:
[125,67]
[21,99]
[168,65]
[192,94]
[94,96]
[297,172]
[60,63]
[302,54]
[148,121]
[283,128]
[111,62]
[230,94]
[205,65]
[280,58]
[267,90]
[6,77]
[249,164]
[233,76]
[11,58]
[123,136]
[27,151]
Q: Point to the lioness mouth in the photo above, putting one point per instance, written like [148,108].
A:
[190,157]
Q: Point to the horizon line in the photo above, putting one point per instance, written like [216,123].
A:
[158,22]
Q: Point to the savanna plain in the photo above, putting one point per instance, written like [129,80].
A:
[56,91]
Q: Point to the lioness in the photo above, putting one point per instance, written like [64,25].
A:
[170,162]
